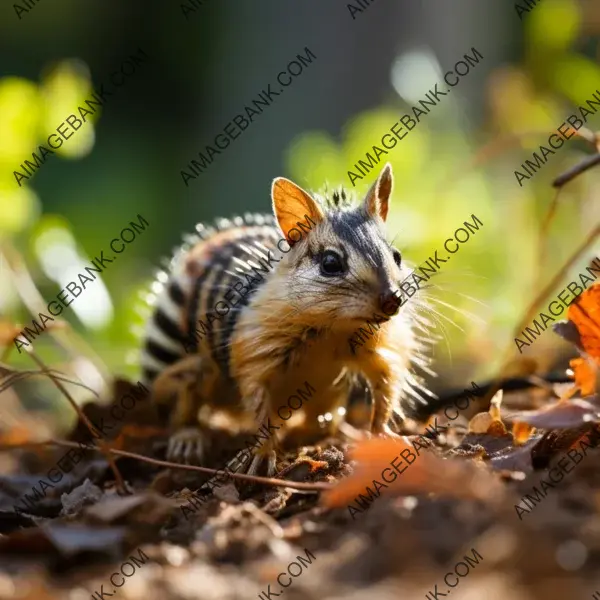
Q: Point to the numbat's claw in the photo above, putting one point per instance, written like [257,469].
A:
[252,467]
[186,446]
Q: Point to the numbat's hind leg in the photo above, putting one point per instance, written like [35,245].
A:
[180,386]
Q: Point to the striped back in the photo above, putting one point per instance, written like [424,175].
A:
[210,281]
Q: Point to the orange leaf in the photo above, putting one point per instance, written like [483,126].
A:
[584,312]
[16,436]
[521,432]
[316,465]
[427,473]
[585,375]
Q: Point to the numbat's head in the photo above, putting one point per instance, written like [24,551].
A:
[341,270]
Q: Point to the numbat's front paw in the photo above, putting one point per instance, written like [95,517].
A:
[186,446]
[270,456]
[387,433]
[250,467]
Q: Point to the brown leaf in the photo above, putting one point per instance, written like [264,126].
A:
[67,540]
[489,422]
[560,441]
[480,423]
[568,331]
[564,414]
[511,457]
[146,508]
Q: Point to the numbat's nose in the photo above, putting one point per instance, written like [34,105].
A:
[388,303]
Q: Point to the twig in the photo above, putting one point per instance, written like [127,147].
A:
[34,302]
[573,172]
[536,301]
[554,281]
[543,233]
[295,485]
[18,375]
[105,448]
[78,383]
[496,147]
[593,139]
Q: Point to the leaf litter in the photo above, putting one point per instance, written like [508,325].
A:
[459,493]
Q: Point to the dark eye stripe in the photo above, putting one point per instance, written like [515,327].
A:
[361,234]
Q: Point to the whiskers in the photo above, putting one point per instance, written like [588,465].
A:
[430,312]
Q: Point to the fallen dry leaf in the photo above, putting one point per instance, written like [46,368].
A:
[428,473]
[480,423]
[521,432]
[510,457]
[489,422]
[560,441]
[564,414]
[584,312]
[586,374]
[64,539]
[582,329]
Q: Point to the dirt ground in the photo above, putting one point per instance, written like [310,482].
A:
[447,525]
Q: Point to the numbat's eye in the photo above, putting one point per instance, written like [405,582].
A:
[397,257]
[332,264]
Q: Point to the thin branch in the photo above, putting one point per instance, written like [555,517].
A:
[20,374]
[105,448]
[497,147]
[535,303]
[573,172]
[543,233]
[556,279]
[34,302]
[295,485]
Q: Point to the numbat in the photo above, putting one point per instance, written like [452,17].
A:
[255,308]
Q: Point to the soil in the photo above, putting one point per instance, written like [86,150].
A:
[455,534]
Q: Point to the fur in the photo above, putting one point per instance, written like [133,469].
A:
[295,325]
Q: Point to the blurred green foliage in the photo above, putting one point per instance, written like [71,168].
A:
[29,112]
[436,190]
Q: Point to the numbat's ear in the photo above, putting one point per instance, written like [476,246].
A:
[377,200]
[291,205]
